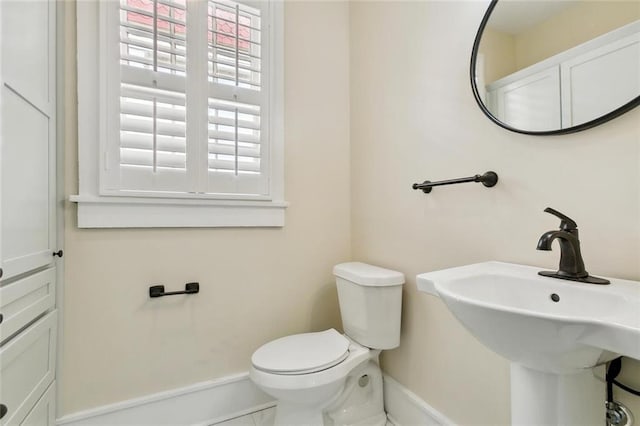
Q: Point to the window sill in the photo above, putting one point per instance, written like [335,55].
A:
[126,212]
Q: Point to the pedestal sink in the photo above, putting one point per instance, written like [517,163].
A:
[553,331]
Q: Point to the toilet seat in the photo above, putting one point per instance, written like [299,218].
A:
[302,353]
[276,382]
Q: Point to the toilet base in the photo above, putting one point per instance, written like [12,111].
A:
[359,402]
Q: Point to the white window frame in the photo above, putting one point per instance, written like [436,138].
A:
[98,208]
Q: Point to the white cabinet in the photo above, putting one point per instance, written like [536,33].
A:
[28,320]
[24,300]
[573,87]
[27,156]
[27,367]
[531,103]
[44,411]
[600,80]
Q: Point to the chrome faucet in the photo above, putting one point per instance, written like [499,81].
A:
[571,263]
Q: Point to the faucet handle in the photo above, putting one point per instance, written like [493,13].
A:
[566,223]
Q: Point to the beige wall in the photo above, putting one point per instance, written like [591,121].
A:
[413,117]
[507,53]
[586,20]
[256,284]
[499,50]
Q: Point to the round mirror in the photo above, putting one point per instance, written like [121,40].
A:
[553,67]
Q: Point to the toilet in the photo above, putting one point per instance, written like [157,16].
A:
[331,379]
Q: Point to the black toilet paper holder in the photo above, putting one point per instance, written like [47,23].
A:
[158,290]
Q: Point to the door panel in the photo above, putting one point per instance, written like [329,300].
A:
[27,154]
[27,366]
[600,80]
[532,103]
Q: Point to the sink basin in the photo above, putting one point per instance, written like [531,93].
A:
[542,323]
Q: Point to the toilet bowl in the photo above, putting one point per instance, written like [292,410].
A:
[309,390]
[327,378]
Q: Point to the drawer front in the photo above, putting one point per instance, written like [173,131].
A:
[27,368]
[44,413]
[24,300]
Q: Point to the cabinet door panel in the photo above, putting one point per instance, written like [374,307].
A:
[25,28]
[600,80]
[43,414]
[27,118]
[25,186]
[24,300]
[531,103]
[27,367]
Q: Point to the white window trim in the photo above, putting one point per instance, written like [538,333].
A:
[96,210]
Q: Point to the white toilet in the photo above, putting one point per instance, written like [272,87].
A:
[327,378]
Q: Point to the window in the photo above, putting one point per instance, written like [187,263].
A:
[187,96]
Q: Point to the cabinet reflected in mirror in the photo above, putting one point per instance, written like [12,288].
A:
[544,67]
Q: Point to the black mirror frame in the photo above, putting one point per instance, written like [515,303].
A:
[584,126]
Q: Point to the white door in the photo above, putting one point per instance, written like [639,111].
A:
[27,149]
[600,80]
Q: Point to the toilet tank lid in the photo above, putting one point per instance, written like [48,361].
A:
[368,275]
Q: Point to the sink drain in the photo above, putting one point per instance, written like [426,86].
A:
[555,297]
[618,415]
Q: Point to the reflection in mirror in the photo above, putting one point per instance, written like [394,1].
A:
[546,67]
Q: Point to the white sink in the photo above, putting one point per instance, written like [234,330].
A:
[511,310]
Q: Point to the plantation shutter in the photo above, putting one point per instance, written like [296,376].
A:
[238,131]
[192,113]
[153,147]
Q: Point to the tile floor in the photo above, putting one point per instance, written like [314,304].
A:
[259,418]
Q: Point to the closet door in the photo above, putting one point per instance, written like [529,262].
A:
[27,121]
[600,80]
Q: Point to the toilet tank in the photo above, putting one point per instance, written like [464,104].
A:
[370,303]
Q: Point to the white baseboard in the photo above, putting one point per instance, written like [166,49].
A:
[218,400]
[405,408]
[200,404]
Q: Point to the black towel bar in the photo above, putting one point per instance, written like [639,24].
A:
[488,179]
